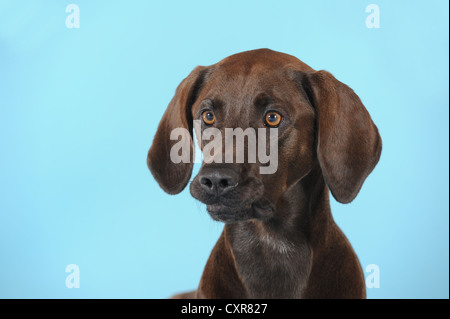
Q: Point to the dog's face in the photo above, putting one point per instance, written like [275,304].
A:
[317,118]
[249,96]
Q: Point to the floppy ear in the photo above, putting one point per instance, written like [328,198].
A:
[348,142]
[173,177]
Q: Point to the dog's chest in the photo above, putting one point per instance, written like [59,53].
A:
[270,267]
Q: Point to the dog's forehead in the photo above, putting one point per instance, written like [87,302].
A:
[260,59]
[241,79]
[253,71]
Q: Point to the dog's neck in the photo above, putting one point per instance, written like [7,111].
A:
[270,254]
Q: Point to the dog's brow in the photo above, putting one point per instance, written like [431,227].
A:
[262,100]
[212,103]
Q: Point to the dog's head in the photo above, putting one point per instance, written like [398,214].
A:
[317,120]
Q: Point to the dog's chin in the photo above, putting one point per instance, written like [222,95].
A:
[223,213]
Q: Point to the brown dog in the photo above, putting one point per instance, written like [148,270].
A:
[280,239]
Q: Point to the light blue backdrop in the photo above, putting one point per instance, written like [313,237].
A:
[79,108]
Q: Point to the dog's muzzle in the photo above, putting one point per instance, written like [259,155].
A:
[228,196]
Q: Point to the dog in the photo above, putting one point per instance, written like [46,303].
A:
[279,238]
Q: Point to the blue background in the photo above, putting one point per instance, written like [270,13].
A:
[79,108]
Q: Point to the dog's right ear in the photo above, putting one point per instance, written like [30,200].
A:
[173,177]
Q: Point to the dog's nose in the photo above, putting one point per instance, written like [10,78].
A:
[218,182]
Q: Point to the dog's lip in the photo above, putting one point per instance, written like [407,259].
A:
[260,209]
[218,207]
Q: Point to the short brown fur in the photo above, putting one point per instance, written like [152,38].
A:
[286,245]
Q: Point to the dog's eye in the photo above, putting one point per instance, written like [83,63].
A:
[208,117]
[272,119]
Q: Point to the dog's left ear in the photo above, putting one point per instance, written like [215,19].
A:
[173,177]
[348,142]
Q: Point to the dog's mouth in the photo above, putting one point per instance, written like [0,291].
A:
[240,203]
[261,210]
